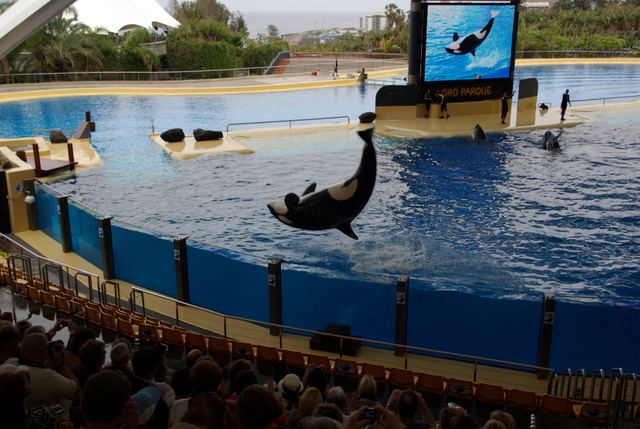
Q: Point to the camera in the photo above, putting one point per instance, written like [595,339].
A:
[55,346]
[370,414]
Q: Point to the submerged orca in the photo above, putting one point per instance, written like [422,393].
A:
[550,141]
[336,206]
[470,42]
[478,133]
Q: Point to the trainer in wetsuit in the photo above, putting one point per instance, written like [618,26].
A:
[563,105]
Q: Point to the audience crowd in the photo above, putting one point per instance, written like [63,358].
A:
[46,384]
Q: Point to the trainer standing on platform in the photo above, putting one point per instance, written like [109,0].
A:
[505,104]
[563,105]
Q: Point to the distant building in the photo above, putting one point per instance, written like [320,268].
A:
[538,4]
[377,21]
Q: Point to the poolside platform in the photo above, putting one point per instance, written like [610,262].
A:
[191,148]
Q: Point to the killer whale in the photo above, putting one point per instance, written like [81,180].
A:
[478,133]
[470,42]
[550,141]
[335,206]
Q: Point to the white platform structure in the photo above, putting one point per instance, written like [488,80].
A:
[25,17]
[118,15]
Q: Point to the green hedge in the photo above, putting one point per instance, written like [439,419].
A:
[201,55]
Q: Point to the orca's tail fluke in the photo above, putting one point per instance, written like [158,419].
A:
[494,13]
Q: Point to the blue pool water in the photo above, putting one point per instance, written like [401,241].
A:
[499,219]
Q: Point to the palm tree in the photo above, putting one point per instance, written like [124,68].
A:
[134,54]
[62,43]
[395,15]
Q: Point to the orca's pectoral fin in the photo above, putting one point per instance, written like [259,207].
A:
[455,37]
[345,228]
[311,188]
[291,200]
[473,52]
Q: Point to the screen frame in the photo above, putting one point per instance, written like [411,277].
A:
[499,85]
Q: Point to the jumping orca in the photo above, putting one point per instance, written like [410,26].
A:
[470,42]
[478,133]
[550,141]
[336,206]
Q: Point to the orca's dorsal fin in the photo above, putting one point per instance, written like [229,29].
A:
[311,188]
[346,229]
[455,37]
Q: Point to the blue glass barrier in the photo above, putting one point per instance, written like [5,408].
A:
[46,200]
[144,258]
[310,300]
[228,282]
[84,233]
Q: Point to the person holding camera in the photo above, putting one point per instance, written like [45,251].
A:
[52,382]
[406,404]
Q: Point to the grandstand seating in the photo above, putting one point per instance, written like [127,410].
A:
[346,372]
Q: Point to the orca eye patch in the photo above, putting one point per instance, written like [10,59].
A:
[291,200]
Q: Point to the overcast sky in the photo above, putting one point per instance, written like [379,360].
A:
[369,6]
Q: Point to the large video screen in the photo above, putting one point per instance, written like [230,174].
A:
[468,41]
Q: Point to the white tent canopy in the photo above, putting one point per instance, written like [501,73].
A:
[117,15]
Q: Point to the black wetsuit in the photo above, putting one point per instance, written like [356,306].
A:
[563,105]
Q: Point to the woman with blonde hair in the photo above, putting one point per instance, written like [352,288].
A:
[309,400]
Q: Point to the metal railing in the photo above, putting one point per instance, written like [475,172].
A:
[572,53]
[289,121]
[307,64]
[409,351]
[283,329]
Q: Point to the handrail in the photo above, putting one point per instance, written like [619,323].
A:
[44,271]
[604,99]
[341,337]
[89,277]
[36,130]
[597,373]
[288,120]
[26,262]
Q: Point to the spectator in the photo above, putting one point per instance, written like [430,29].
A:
[204,377]
[327,409]
[92,356]
[192,357]
[336,395]
[386,419]
[494,424]
[316,376]
[181,383]
[107,404]
[290,389]
[503,417]
[13,391]
[446,415]
[147,362]
[22,326]
[209,410]
[242,380]
[309,400]
[258,408]
[230,374]
[52,382]
[367,395]
[120,357]
[9,342]
[77,338]
[406,404]
[463,421]
[322,423]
